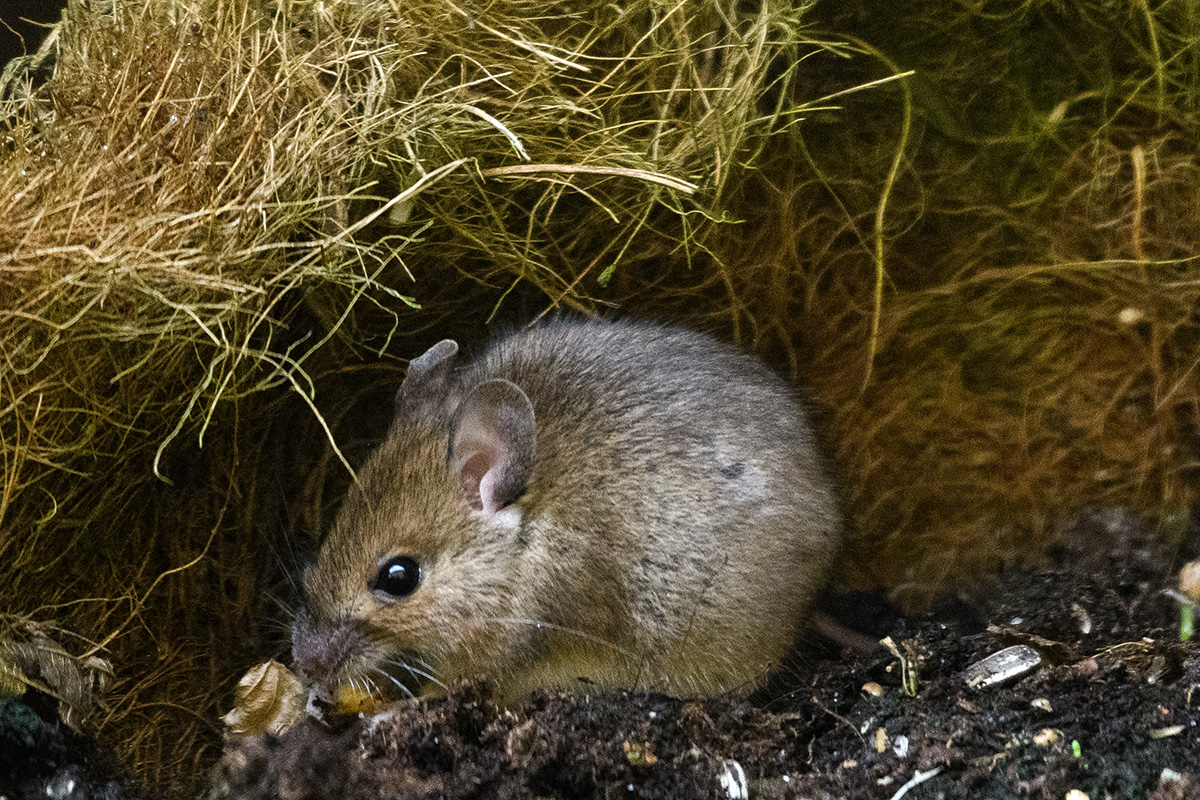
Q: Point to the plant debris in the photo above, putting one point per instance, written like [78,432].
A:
[268,699]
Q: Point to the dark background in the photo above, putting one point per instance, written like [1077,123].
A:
[20,20]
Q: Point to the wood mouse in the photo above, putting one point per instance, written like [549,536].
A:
[622,503]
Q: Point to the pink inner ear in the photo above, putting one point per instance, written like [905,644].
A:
[477,480]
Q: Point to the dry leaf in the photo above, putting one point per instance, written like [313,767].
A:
[268,699]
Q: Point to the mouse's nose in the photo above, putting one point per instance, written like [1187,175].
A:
[320,651]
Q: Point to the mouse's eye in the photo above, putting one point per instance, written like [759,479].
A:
[399,576]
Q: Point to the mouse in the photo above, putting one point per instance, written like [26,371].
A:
[586,502]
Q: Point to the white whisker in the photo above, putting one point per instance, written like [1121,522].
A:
[355,681]
[417,672]
[393,679]
[424,664]
[422,673]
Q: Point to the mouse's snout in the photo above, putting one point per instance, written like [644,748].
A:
[321,652]
[348,672]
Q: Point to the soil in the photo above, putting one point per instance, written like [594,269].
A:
[1113,711]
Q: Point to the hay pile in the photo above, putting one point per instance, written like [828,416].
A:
[226,223]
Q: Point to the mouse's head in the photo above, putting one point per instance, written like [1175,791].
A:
[422,565]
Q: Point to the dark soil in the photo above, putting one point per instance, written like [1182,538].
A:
[41,758]
[1113,712]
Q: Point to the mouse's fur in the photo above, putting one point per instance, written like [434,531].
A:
[627,503]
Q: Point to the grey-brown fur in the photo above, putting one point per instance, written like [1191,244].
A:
[674,524]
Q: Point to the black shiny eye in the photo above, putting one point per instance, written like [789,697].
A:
[399,576]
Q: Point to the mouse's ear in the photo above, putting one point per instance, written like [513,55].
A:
[492,444]
[428,376]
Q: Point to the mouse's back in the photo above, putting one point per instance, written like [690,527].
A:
[628,503]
